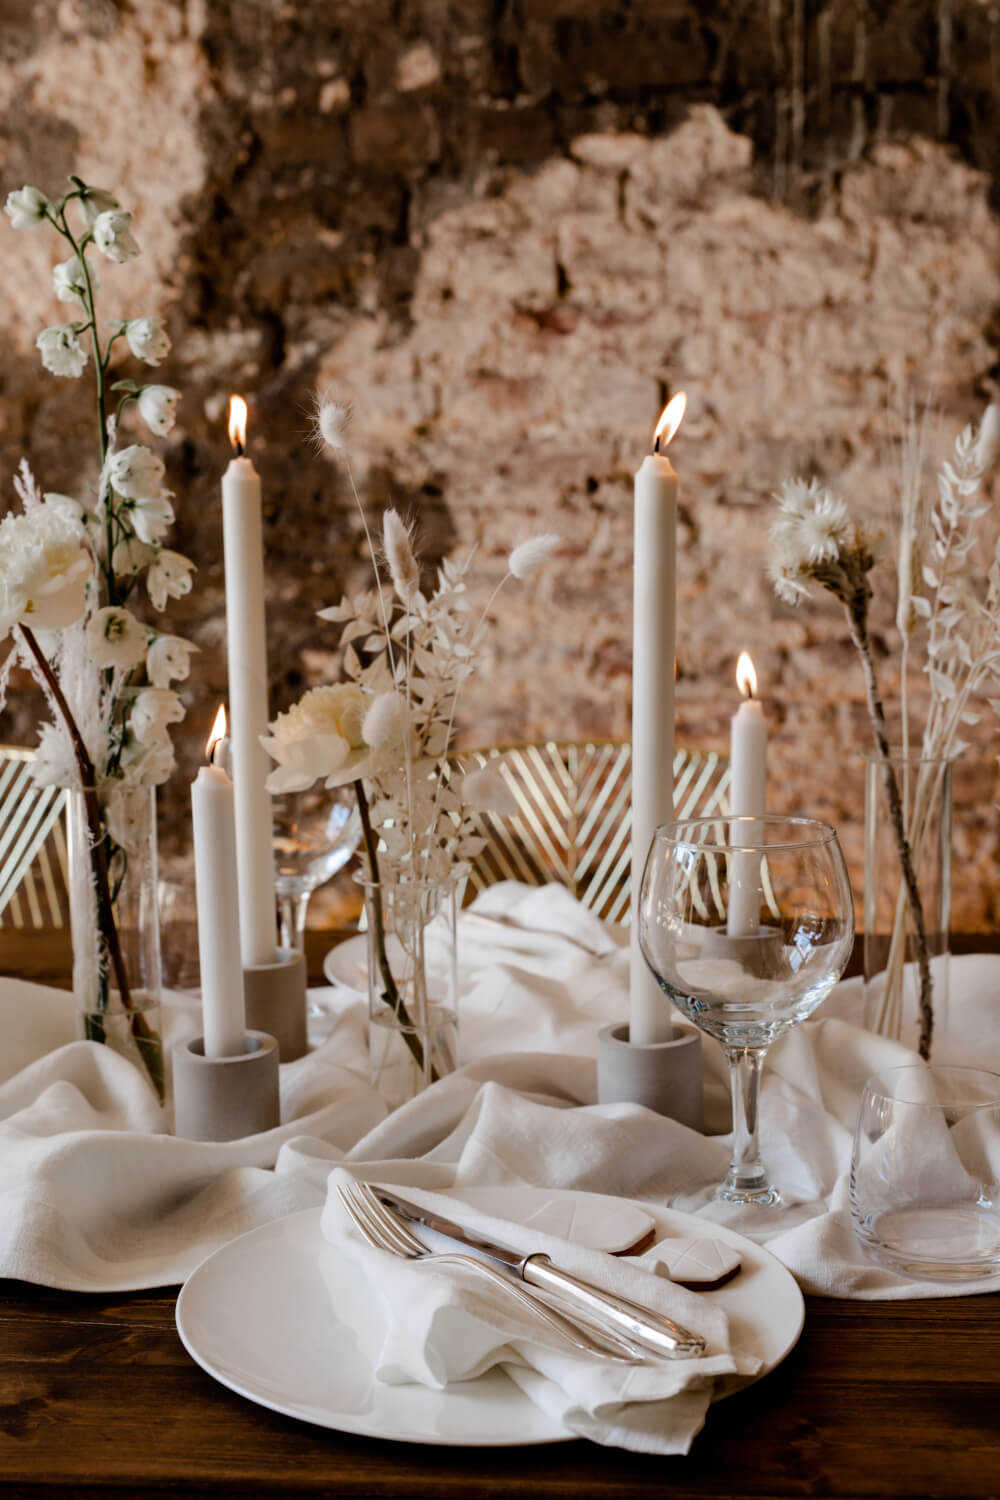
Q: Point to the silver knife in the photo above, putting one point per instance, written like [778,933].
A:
[642,1324]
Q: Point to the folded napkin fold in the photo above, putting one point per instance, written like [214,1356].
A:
[445,1324]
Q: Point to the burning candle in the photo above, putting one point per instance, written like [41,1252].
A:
[654,581]
[247,652]
[747,798]
[223,1018]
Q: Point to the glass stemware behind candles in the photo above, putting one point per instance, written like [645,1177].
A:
[315,834]
[747,924]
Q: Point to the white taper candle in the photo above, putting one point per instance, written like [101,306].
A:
[247,651]
[223,1016]
[653,630]
[747,798]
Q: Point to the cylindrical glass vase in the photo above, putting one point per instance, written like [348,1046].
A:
[905,998]
[115,927]
[412,984]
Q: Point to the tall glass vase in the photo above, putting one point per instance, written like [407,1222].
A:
[115,928]
[900,998]
[412,984]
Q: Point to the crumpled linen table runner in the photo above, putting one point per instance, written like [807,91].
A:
[90,1200]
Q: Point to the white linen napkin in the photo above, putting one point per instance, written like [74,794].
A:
[91,1199]
[444,1325]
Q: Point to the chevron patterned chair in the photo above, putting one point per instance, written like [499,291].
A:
[573,823]
[33,866]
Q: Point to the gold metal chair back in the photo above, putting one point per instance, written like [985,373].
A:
[574,819]
[33,864]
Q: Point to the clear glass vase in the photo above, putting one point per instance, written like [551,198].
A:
[115,927]
[412,984]
[905,999]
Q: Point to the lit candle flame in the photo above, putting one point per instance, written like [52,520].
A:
[670,419]
[217,735]
[238,423]
[746,676]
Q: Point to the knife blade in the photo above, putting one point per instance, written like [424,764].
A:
[655,1332]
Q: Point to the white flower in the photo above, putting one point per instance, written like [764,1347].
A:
[54,763]
[169,660]
[130,555]
[115,638]
[987,440]
[113,235]
[66,505]
[168,577]
[146,765]
[136,472]
[153,710]
[26,207]
[333,418]
[147,339]
[384,722]
[44,567]
[94,202]
[150,517]
[318,736]
[69,281]
[526,557]
[61,350]
[127,815]
[399,555]
[158,407]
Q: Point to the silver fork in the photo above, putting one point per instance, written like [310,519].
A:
[385,1231]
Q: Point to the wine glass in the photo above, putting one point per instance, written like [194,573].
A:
[747,923]
[314,833]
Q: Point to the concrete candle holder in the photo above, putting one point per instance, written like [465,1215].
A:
[275,996]
[663,1076]
[226,1098]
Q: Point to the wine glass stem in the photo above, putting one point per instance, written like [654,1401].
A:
[292,919]
[746,1181]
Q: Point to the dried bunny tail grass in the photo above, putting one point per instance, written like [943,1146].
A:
[331,422]
[529,555]
[403,566]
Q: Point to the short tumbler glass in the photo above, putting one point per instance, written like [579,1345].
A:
[925,1172]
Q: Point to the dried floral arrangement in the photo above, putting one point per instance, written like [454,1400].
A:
[942,601]
[70,571]
[388,730]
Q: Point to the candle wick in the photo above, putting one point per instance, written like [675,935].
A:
[656,445]
[239,448]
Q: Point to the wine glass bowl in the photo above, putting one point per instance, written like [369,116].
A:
[315,833]
[747,924]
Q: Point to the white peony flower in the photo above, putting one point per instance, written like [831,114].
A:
[113,235]
[152,712]
[385,721]
[61,350]
[169,577]
[69,282]
[54,763]
[116,638]
[147,339]
[136,472]
[94,202]
[169,660]
[66,505]
[44,567]
[158,408]
[26,207]
[321,735]
[150,517]
[526,557]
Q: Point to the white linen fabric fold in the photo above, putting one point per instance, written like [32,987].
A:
[90,1199]
[444,1325]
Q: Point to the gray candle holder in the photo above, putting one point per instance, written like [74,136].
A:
[226,1098]
[662,1076]
[275,998]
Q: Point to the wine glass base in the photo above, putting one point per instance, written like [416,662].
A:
[764,1196]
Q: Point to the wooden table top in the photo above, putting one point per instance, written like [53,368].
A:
[879,1399]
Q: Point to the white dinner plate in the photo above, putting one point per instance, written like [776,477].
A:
[282,1318]
[347,964]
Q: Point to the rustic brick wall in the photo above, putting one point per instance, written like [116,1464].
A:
[505,232]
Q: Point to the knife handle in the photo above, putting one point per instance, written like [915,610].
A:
[648,1328]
